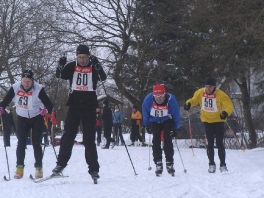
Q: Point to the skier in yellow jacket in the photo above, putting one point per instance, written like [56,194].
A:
[216,106]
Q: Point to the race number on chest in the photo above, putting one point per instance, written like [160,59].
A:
[82,79]
[24,100]
[209,102]
[159,111]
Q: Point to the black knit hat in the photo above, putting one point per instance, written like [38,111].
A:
[105,102]
[82,49]
[27,74]
[134,107]
[210,81]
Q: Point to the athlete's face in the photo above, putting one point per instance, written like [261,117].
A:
[26,83]
[82,59]
[209,89]
[159,98]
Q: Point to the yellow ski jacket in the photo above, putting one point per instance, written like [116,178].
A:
[211,105]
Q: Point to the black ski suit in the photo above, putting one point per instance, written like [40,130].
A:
[82,105]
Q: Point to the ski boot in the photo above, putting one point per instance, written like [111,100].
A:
[170,169]
[19,172]
[211,168]
[223,169]
[143,144]
[95,176]
[132,144]
[57,171]
[159,168]
[39,173]
[105,147]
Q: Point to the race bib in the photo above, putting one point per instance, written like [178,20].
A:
[82,79]
[159,111]
[24,100]
[209,102]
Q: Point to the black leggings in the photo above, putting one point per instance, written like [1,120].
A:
[24,125]
[156,129]
[72,122]
[215,130]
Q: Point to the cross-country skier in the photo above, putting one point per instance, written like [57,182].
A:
[32,103]
[161,112]
[215,107]
[83,75]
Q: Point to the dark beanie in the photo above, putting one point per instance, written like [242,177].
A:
[82,49]
[105,102]
[27,74]
[134,107]
[210,81]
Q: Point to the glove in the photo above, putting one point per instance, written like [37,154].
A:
[187,106]
[1,110]
[43,112]
[148,130]
[62,61]
[173,133]
[223,115]
[96,63]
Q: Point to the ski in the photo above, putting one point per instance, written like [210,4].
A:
[46,178]
[6,179]
[158,174]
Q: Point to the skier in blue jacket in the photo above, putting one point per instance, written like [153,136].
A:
[161,112]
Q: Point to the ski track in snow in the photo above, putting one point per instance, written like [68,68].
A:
[244,179]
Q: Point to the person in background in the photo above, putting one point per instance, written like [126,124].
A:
[117,122]
[83,75]
[216,106]
[135,122]
[98,126]
[161,114]
[32,103]
[108,123]
[8,122]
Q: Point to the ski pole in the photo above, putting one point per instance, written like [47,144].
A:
[180,155]
[121,135]
[190,129]
[54,103]
[2,123]
[240,146]
[149,168]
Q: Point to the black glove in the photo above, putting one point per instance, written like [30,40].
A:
[223,115]
[174,132]
[148,130]
[96,63]
[62,61]
[187,106]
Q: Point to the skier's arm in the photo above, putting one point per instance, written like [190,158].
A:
[8,98]
[45,100]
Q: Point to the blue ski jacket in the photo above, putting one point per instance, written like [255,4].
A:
[173,110]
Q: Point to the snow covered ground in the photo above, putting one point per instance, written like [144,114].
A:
[245,178]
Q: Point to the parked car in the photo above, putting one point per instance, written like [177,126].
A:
[198,130]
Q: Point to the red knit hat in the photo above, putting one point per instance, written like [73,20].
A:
[158,89]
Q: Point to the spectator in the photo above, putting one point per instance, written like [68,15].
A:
[117,122]
[98,126]
[135,122]
[8,122]
[108,123]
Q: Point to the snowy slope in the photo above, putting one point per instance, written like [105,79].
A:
[244,179]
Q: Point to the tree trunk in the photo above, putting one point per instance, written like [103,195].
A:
[247,113]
